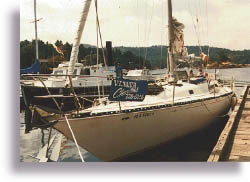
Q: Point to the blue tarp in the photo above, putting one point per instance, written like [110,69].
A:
[34,68]
[198,80]
[128,90]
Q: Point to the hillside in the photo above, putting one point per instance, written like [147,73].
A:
[157,53]
[129,57]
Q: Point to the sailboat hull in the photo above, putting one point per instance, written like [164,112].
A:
[115,136]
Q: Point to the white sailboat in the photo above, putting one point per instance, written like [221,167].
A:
[115,129]
[85,79]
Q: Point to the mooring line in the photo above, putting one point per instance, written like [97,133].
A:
[74,138]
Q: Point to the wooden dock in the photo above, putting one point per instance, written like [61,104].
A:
[234,141]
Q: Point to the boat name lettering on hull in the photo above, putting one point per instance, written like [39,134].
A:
[143,115]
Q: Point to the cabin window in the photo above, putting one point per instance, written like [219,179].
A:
[85,71]
[58,72]
[75,72]
[181,75]
[110,77]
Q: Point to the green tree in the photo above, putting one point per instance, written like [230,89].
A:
[27,55]
[222,56]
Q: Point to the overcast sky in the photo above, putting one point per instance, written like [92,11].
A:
[222,23]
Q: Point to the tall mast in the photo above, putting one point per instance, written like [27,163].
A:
[36,30]
[75,49]
[171,42]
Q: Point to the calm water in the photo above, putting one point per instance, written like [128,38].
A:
[194,147]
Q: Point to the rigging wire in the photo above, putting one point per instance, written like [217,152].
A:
[208,49]
[161,34]
[97,35]
[99,30]
[138,29]
[145,38]
[201,15]
[103,53]
[197,22]
[74,138]
[192,17]
[204,24]
[149,32]
[198,26]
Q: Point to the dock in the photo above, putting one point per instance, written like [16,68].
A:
[234,141]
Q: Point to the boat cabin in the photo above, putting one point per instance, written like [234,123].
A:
[181,75]
[80,69]
[142,72]
[62,69]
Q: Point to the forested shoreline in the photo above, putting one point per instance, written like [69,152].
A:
[129,57]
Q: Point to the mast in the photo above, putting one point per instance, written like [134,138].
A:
[171,43]
[75,48]
[36,30]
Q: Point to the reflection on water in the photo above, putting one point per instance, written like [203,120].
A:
[194,147]
[31,144]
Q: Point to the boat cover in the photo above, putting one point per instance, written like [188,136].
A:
[34,68]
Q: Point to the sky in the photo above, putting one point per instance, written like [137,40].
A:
[222,23]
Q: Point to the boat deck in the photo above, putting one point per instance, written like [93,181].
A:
[234,141]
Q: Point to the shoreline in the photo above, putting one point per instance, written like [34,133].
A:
[228,66]
[218,67]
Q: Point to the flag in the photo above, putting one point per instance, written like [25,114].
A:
[204,57]
[59,49]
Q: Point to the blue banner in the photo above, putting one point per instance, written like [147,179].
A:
[128,90]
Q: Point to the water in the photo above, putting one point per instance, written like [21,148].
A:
[30,145]
[236,73]
[194,147]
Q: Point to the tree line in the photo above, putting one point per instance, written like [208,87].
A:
[87,55]
[157,54]
[129,57]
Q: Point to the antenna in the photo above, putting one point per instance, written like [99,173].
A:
[35,21]
[37,57]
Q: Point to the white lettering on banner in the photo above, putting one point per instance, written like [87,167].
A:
[126,84]
[128,94]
